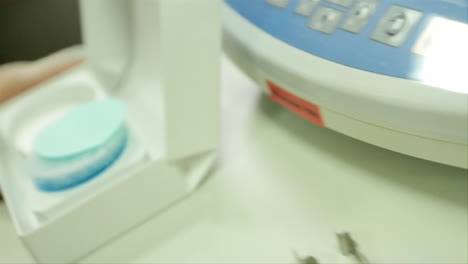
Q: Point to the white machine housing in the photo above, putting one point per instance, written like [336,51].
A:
[417,118]
[148,54]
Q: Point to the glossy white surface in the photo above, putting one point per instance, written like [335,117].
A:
[406,116]
[284,183]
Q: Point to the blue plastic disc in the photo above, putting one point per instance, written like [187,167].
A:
[84,128]
[51,175]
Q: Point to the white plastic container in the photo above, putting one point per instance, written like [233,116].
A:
[169,77]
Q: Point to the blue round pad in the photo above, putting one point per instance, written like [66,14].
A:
[85,128]
[56,175]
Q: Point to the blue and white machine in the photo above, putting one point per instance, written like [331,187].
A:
[393,73]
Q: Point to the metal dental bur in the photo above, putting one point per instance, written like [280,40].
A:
[349,248]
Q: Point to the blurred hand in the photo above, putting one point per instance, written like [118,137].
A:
[20,76]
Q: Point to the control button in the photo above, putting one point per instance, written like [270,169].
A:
[362,12]
[345,3]
[305,7]
[325,19]
[395,25]
[279,3]
[359,15]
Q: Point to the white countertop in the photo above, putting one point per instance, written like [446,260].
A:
[286,184]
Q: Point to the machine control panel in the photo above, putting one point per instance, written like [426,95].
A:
[373,35]
[392,29]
